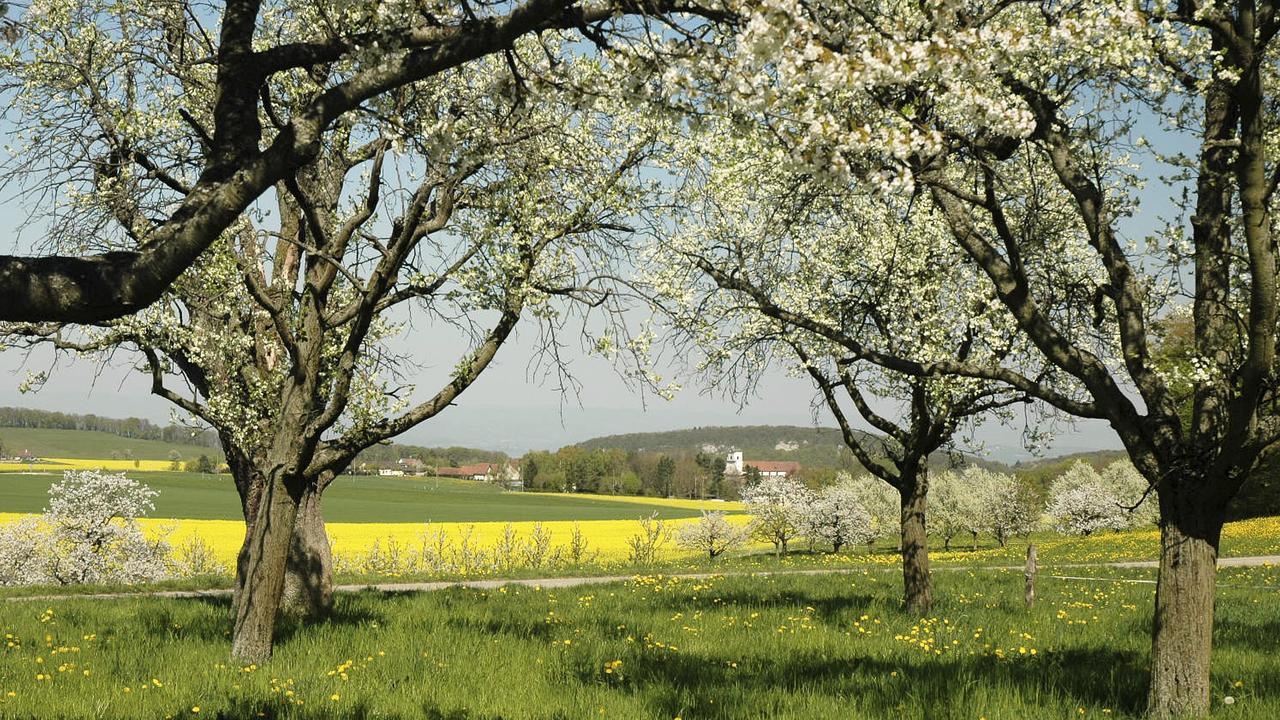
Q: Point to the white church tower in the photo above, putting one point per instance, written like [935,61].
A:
[733,465]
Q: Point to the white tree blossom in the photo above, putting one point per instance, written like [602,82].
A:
[778,505]
[25,550]
[880,501]
[1010,508]
[835,517]
[1133,492]
[1080,503]
[712,534]
[88,534]
[956,507]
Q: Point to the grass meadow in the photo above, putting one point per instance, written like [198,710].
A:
[730,647]
[91,444]
[365,499]
[757,640]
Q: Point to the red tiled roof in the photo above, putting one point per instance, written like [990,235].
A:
[465,470]
[469,470]
[786,466]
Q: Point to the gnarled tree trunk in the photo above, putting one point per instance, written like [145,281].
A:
[917,589]
[308,583]
[260,568]
[1182,632]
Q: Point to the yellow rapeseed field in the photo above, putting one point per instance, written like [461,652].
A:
[224,537]
[61,464]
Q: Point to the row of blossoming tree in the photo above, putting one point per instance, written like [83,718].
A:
[931,204]
[970,502]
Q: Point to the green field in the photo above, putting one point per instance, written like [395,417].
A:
[355,499]
[93,445]
[732,648]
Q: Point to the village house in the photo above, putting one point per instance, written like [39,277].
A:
[411,466]
[487,472]
[735,466]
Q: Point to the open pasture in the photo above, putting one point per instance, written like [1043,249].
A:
[735,648]
[372,499]
[93,445]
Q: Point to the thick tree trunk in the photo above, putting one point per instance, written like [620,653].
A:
[1182,634]
[917,591]
[260,570]
[308,583]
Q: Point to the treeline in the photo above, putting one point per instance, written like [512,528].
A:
[613,471]
[132,428]
[432,456]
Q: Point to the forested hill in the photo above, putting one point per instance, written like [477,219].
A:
[128,428]
[821,447]
[809,446]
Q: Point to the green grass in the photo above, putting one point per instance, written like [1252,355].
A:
[740,648]
[355,499]
[92,444]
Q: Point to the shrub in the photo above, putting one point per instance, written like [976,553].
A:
[646,543]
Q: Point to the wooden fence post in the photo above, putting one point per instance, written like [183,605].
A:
[1030,573]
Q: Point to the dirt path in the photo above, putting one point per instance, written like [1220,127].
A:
[566,582]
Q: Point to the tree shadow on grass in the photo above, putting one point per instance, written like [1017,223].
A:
[342,615]
[1259,635]
[356,711]
[700,686]
[835,609]
[516,627]
[159,622]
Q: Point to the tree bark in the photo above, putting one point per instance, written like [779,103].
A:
[1182,633]
[917,589]
[260,570]
[308,582]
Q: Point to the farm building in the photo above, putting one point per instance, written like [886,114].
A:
[736,466]
[505,472]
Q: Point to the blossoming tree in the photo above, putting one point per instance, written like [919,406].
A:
[835,517]
[1029,129]
[477,199]
[767,266]
[175,107]
[778,506]
[89,533]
